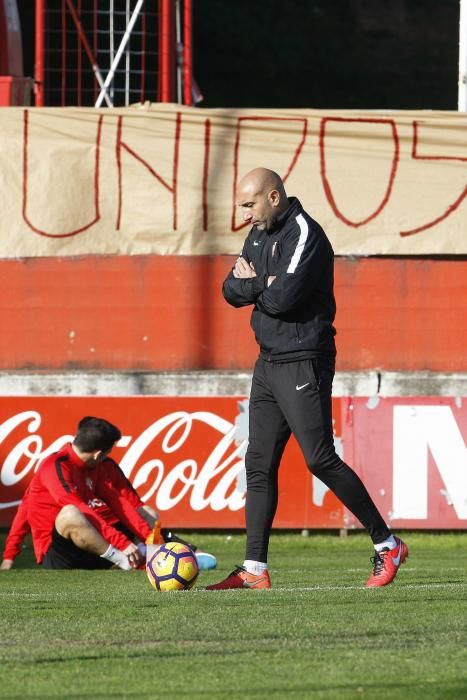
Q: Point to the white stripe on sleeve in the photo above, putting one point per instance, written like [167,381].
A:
[300,219]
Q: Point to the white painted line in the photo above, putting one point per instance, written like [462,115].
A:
[319,588]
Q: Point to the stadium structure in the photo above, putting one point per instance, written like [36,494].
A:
[119,227]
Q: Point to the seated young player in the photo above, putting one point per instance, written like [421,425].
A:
[106,475]
[67,529]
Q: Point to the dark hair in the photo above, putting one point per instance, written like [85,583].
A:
[96,434]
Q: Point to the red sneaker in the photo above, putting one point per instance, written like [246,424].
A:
[386,564]
[240,578]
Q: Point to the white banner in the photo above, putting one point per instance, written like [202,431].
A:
[160,179]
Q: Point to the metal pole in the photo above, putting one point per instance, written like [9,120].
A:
[165,50]
[63,72]
[79,60]
[119,53]
[179,50]
[127,58]
[143,57]
[462,94]
[95,40]
[187,53]
[112,42]
[39,69]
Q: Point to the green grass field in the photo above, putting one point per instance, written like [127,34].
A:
[317,634]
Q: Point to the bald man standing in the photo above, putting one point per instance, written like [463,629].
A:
[286,272]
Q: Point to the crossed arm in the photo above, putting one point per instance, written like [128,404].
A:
[244,270]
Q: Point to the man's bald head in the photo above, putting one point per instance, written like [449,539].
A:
[261,181]
[262,197]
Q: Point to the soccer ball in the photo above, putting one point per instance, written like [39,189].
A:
[172,567]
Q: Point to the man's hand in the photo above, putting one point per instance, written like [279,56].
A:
[243,270]
[134,556]
[6,564]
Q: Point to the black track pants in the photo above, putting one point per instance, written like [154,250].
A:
[296,397]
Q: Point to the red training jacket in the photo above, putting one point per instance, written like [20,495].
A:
[62,479]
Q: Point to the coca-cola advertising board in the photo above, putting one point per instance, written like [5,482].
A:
[184,455]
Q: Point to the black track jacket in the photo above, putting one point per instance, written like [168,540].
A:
[292,319]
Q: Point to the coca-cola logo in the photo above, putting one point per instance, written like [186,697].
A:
[165,462]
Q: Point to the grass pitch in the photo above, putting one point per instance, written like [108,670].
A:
[317,634]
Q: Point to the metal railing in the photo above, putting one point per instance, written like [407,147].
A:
[117,52]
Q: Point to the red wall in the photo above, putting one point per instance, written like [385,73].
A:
[167,313]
